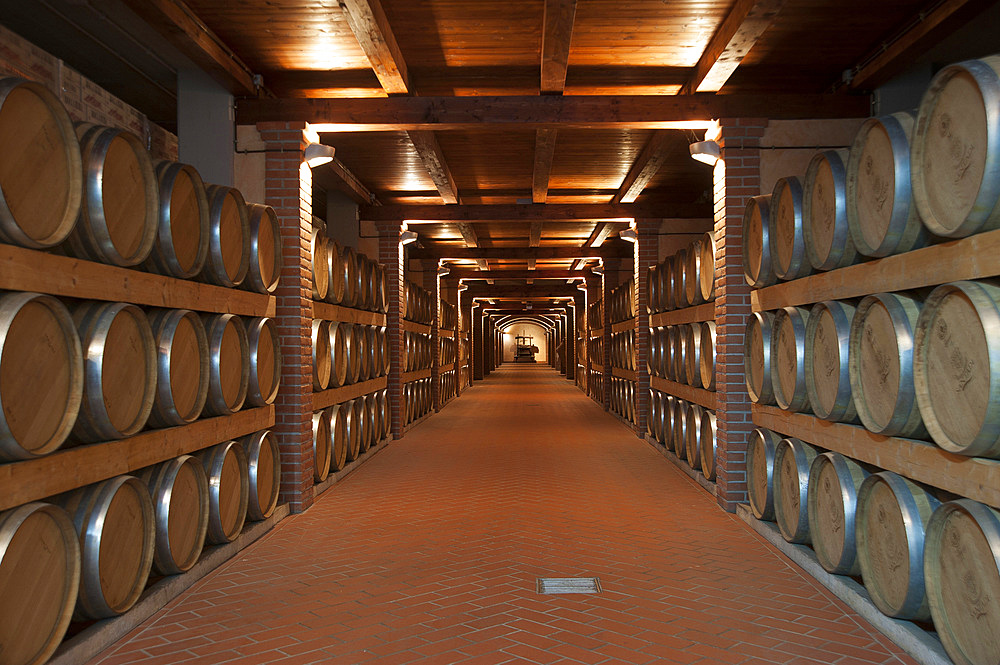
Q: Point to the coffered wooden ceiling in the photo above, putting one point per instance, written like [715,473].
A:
[452,105]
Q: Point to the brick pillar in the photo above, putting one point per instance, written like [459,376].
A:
[647,253]
[594,289]
[477,361]
[448,292]
[570,344]
[465,326]
[433,285]
[737,178]
[288,190]
[391,255]
[582,330]
[608,284]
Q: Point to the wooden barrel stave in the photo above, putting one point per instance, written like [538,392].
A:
[834,481]
[758,262]
[180,248]
[228,238]
[785,233]
[826,233]
[179,489]
[827,350]
[229,363]
[181,367]
[760,472]
[788,361]
[792,461]
[263,474]
[266,260]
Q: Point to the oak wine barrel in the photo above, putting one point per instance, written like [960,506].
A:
[338,434]
[360,419]
[785,233]
[757,357]
[119,381]
[891,522]
[228,490]
[706,356]
[365,352]
[680,279]
[667,418]
[653,289]
[353,429]
[881,213]
[321,354]
[706,266]
[692,430]
[680,428]
[179,488]
[265,361]
[322,445]
[114,522]
[827,350]
[374,423]
[706,444]
[338,354]
[692,274]
[319,264]
[792,461]
[229,363]
[881,364]
[40,565]
[788,361]
[653,397]
[827,235]
[834,481]
[263,473]
[692,354]
[180,248]
[352,278]
[181,367]
[955,154]
[41,169]
[678,355]
[384,416]
[228,239]
[666,284]
[265,250]
[41,376]
[354,343]
[121,199]
[956,367]
[760,472]
[758,262]
[335,279]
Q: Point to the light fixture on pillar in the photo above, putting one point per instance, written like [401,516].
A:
[706,152]
[406,237]
[443,270]
[317,154]
[597,270]
[463,286]
[628,234]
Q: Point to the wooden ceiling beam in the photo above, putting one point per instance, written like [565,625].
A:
[188,34]
[427,146]
[371,28]
[737,34]
[545,150]
[534,240]
[618,250]
[597,237]
[472,240]
[546,111]
[524,212]
[337,176]
[653,154]
[557,33]
[465,273]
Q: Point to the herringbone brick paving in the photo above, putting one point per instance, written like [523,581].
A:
[429,554]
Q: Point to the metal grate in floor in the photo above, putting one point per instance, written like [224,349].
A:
[556,585]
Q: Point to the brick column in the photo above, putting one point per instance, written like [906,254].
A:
[570,344]
[465,326]
[288,190]
[737,178]
[582,330]
[594,290]
[391,255]
[477,361]
[448,292]
[433,285]
[608,284]
[647,253]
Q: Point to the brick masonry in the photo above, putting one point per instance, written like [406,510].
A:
[390,255]
[647,254]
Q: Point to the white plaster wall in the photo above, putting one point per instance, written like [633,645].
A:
[510,343]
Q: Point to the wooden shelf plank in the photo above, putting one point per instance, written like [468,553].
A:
[326,398]
[975,257]
[69,469]
[328,312]
[412,326]
[972,477]
[416,375]
[629,374]
[700,396]
[446,333]
[594,367]
[705,312]
[623,325]
[596,333]
[29,270]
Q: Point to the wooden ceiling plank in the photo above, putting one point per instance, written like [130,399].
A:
[187,33]
[557,34]
[545,150]
[545,111]
[528,212]
[737,34]
[520,253]
[371,28]
[653,154]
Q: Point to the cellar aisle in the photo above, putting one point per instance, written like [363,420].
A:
[430,553]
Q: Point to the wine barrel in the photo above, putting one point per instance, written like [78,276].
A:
[40,575]
[834,481]
[374,421]
[384,416]
[678,357]
[653,397]
[121,199]
[792,461]
[655,351]
[891,520]
[181,367]
[265,250]
[706,267]
[667,421]
[881,213]
[692,274]
[374,346]
[365,352]
[666,285]
[785,233]
[352,279]
[361,420]
[338,353]
[321,354]
[228,239]
[229,363]
[383,285]
[265,361]
[322,445]
[962,569]
[680,428]
[653,289]
[788,362]
[692,430]
[263,473]
[179,488]
[41,169]
[955,157]
[180,248]
[114,522]
[225,465]
[757,357]
[692,354]
[706,444]
[353,429]
[334,265]
[827,235]
[41,376]
[881,365]
[758,262]
[119,380]
[372,284]
[760,472]
[319,264]
[956,367]
[338,434]
[706,357]
[354,344]
[827,349]
[680,279]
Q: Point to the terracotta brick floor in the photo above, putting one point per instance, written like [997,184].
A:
[430,553]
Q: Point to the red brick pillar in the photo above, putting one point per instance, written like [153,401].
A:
[448,292]
[432,282]
[570,344]
[288,190]
[737,178]
[583,371]
[465,328]
[391,255]
[647,253]
[478,361]
[608,284]
[594,289]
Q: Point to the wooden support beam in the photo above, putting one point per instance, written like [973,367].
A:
[597,237]
[557,34]
[429,149]
[653,154]
[545,149]
[472,240]
[617,250]
[189,35]
[337,176]
[546,111]
[926,31]
[739,31]
[465,273]
[523,212]
[371,28]
[534,240]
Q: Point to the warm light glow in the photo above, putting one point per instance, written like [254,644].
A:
[706,152]
[406,237]
[317,154]
[628,234]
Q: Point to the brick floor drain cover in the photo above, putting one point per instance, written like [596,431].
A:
[553,585]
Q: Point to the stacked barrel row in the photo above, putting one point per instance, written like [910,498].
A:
[342,433]
[623,398]
[86,371]
[449,316]
[685,279]
[417,400]
[595,350]
[595,385]
[417,351]
[623,350]
[347,353]
[419,304]
[918,364]
[342,276]
[684,353]
[685,429]
[447,387]
[595,315]
[622,302]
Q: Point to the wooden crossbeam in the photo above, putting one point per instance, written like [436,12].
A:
[464,273]
[337,176]
[429,149]
[557,33]
[523,212]
[545,149]
[534,240]
[597,237]
[371,28]
[737,34]
[618,250]
[472,240]
[653,154]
